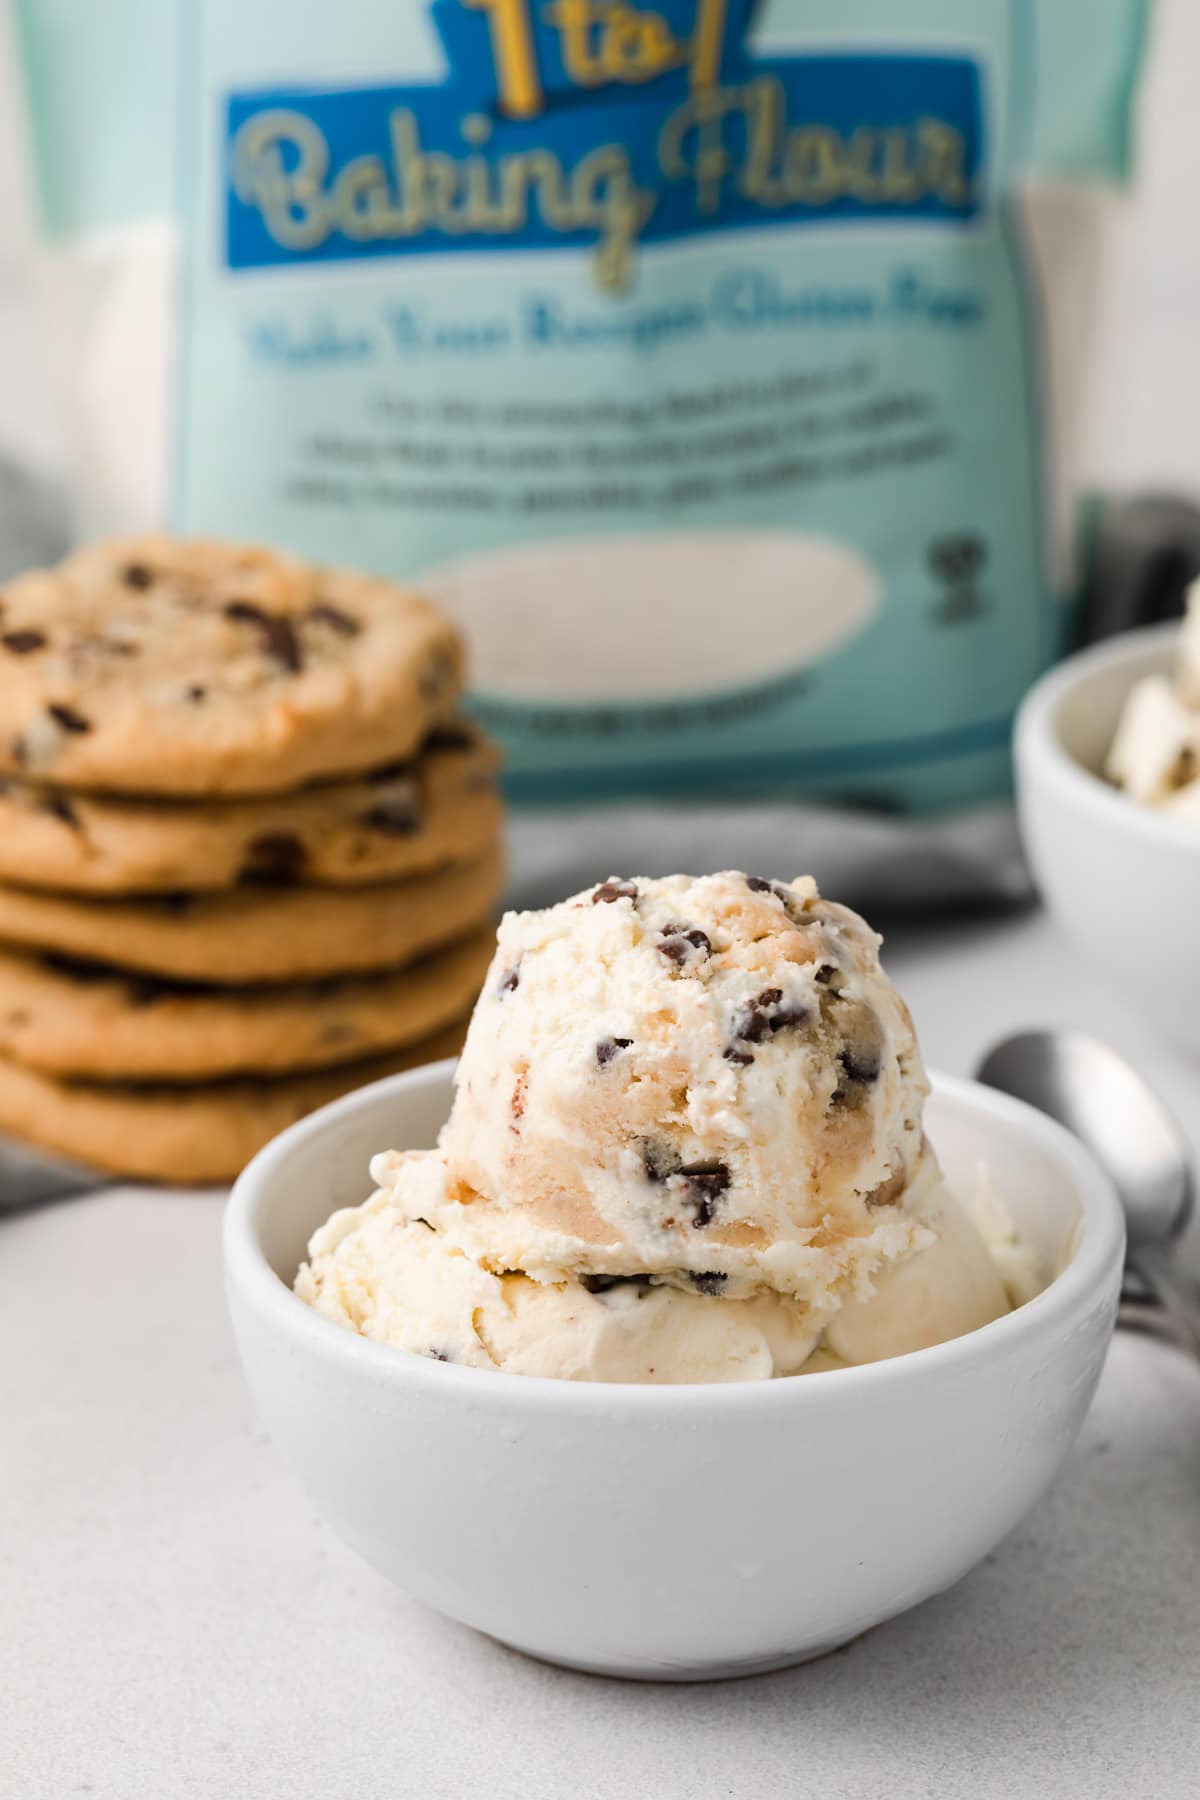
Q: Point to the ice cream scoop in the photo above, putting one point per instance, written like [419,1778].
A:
[397,1280]
[686,1145]
[687,1078]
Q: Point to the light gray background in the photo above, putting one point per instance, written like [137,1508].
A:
[178,1625]
[175,1624]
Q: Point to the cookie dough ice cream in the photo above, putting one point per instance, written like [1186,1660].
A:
[686,1145]
[1155,755]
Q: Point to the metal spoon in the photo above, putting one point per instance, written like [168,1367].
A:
[1100,1097]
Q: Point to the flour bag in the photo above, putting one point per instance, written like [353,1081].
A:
[720,366]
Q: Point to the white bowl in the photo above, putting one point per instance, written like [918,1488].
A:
[1122,880]
[674,1532]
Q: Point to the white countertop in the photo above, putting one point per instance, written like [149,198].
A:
[177,1624]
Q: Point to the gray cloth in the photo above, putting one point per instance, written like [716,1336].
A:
[880,864]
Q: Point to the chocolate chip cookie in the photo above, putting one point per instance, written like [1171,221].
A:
[259,935]
[83,1019]
[168,666]
[179,1133]
[398,820]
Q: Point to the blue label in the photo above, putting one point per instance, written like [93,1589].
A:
[815,139]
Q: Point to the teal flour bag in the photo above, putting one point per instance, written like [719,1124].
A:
[719,366]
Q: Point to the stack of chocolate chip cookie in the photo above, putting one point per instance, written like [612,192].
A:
[249,853]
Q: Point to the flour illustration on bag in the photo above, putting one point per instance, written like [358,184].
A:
[718,365]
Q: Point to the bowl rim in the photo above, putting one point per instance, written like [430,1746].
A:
[1095,1265]
[1042,755]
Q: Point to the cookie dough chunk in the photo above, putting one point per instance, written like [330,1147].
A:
[168,666]
[185,1135]
[399,820]
[81,1019]
[260,934]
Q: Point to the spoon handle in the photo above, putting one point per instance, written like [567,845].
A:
[1174,1293]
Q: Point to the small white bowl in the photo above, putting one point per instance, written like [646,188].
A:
[674,1532]
[1122,880]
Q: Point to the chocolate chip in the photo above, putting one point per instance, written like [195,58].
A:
[393,818]
[276,630]
[782,893]
[825,974]
[281,642]
[861,1065]
[613,889]
[23,643]
[697,938]
[710,1177]
[751,1025]
[510,981]
[333,616]
[245,612]
[69,719]
[137,575]
[450,737]
[439,1356]
[861,1055]
[59,807]
[196,694]
[707,1181]
[860,1069]
[604,1284]
[659,1161]
[274,857]
[761,1018]
[705,1211]
[710,1282]
[679,943]
[607,1048]
[518,1094]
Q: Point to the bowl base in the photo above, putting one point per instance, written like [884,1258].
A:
[680,1671]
